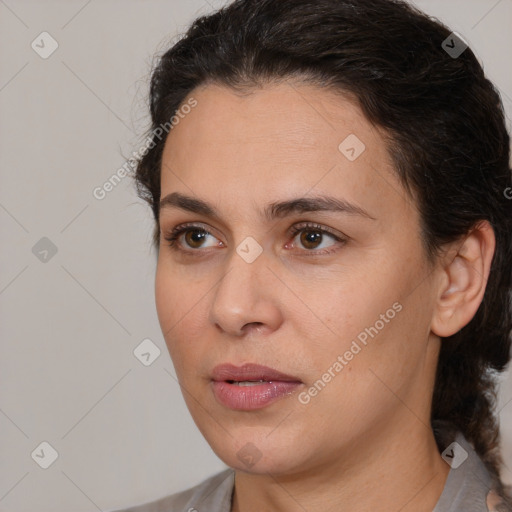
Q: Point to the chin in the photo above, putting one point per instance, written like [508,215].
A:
[274,465]
[257,453]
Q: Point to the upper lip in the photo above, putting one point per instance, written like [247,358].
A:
[249,371]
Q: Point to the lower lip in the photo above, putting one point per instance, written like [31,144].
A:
[249,398]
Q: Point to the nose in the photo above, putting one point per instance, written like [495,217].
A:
[245,300]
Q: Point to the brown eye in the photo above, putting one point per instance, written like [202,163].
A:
[311,236]
[195,237]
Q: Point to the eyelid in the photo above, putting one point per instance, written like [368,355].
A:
[319,227]
[198,226]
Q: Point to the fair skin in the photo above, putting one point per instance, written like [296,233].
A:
[364,441]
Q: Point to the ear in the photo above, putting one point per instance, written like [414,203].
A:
[464,275]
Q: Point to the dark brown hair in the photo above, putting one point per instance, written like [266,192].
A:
[447,138]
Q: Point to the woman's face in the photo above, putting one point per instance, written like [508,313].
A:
[344,314]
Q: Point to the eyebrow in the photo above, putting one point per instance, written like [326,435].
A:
[271,211]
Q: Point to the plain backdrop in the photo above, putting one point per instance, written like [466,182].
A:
[77,273]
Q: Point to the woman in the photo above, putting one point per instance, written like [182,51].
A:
[334,246]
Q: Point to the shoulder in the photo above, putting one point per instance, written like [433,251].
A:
[212,494]
[470,486]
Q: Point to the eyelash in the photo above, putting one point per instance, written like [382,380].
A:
[173,236]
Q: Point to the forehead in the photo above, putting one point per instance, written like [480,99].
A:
[286,113]
[285,139]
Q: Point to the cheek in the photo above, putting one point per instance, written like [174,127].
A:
[176,295]
[171,299]
[362,320]
[165,297]
[180,305]
[347,308]
[349,375]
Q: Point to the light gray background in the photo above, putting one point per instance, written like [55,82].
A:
[69,326]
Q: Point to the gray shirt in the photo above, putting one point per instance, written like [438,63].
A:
[467,488]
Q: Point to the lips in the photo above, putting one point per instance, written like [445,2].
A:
[251,386]
[250,372]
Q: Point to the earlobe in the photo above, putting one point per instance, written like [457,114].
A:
[465,271]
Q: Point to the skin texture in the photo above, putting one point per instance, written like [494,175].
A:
[364,442]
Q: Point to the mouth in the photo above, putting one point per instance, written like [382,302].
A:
[247,382]
[251,386]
